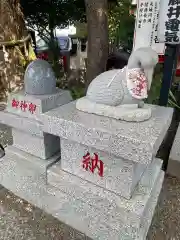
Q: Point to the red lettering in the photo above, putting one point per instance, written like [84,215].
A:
[86,161]
[23,106]
[92,163]
[32,108]
[14,103]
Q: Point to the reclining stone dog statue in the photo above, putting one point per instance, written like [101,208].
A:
[120,93]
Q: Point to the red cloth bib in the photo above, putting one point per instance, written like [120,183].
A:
[137,83]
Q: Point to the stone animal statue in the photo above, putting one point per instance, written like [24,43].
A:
[120,93]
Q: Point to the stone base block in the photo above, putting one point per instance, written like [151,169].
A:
[27,125]
[119,175]
[174,157]
[42,147]
[74,210]
[112,209]
[92,221]
[32,163]
[137,142]
[32,106]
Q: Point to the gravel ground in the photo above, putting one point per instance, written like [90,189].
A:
[21,221]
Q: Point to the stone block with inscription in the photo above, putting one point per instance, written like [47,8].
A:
[23,114]
[31,106]
[109,170]
[113,173]
[25,107]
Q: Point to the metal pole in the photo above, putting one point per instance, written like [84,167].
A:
[170,63]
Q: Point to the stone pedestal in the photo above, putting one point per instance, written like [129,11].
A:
[31,106]
[108,171]
[119,175]
[23,115]
[43,147]
[174,157]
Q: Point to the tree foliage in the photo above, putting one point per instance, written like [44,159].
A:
[12,28]
[44,15]
[121,24]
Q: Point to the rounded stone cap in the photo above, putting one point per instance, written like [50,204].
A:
[39,78]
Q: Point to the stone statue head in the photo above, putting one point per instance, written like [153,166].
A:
[145,59]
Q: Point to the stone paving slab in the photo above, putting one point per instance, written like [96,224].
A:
[20,220]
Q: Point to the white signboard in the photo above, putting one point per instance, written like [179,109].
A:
[169,21]
[147,25]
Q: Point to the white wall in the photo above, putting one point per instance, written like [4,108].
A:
[134,2]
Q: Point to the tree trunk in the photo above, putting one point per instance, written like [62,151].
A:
[97,26]
[12,27]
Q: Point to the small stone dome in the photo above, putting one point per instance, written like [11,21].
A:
[39,78]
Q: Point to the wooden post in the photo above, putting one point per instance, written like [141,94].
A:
[170,64]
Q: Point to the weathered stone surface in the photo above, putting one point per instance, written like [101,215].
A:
[37,165]
[42,147]
[28,125]
[114,208]
[43,103]
[39,78]
[27,128]
[128,112]
[110,87]
[174,157]
[30,185]
[120,176]
[136,142]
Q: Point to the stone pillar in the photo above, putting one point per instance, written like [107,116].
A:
[174,157]
[108,176]
[24,108]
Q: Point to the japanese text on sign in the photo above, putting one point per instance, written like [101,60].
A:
[169,22]
[23,105]
[92,163]
[172,24]
[145,13]
[146,26]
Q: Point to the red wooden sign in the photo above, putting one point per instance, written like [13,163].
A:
[91,163]
[161,60]
[23,105]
